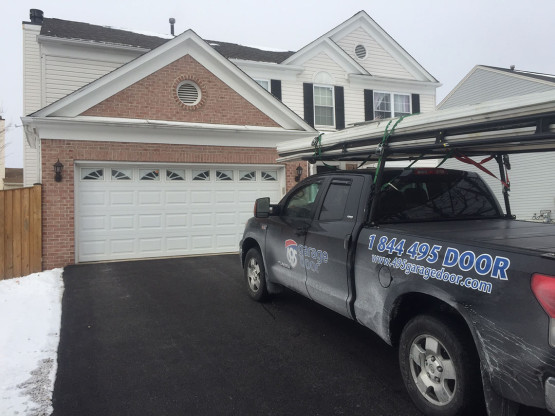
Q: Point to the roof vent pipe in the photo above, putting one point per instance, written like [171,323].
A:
[172,22]
[512,67]
[36,16]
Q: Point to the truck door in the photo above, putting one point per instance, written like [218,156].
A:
[327,244]
[286,236]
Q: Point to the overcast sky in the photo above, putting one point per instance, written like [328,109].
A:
[448,38]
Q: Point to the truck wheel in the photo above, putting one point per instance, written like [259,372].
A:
[440,367]
[255,275]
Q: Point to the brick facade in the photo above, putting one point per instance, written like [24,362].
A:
[155,98]
[59,197]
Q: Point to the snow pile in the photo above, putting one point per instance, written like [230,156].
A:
[30,314]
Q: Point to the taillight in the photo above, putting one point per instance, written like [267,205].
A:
[543,287]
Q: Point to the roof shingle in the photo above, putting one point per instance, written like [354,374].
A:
[66,29]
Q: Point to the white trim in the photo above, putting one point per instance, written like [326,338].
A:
[153,131]
[44,39]
[393,84]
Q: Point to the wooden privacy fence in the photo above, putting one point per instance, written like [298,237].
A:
[20,232]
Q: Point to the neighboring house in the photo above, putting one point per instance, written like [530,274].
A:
[166,141]
[14,178]
[2,152]
[532,175]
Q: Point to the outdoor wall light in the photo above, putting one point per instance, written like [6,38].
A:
[299,173]
[58,167]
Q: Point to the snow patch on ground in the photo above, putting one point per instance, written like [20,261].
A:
[30,317]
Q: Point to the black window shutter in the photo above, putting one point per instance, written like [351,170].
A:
[368,105]
[275,87]
[339,108]
[308,98]
[415,103]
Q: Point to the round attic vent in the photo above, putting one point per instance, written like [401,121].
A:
[360,51]
[188,93]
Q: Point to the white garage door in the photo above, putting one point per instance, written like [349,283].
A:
[126,212]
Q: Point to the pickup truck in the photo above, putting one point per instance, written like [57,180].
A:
[465,292]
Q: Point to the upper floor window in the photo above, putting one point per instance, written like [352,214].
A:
[264,83]
[387,105]
[323,106]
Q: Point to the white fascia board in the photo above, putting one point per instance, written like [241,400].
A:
[393,84]
[153,131]
[519,106]
[268,70]
[339,56]
[73,48]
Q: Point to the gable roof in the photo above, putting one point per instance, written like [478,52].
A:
[188,43]
[66,29]
[362,19]
[528,74]
[483,83]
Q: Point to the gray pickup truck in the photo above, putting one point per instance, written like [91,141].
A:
[434,267]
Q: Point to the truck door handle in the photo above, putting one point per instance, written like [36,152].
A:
[347,241]
[301,231]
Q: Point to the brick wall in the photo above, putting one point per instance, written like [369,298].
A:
[58,198]
[155,98]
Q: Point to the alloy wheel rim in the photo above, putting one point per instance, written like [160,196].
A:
[253,275]
[432,370]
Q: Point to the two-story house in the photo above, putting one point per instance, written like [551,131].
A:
[166,141]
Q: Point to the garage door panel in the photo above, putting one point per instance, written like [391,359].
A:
[150,198]
[93,222]
[150,221]
[133,218]
[176,221]
[119,198]
[122,222]
[174,198]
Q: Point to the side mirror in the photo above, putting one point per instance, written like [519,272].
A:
[262,208]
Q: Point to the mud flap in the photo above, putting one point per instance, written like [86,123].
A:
[495,404]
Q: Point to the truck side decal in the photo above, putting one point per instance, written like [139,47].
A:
[309,257]
[483,264]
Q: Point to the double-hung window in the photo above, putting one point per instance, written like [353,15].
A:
[264,83]
[324,106]
[387,105]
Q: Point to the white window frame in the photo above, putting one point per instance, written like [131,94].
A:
[330,87]
[392,102]
[267,81]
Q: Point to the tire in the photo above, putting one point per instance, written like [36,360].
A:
[440,367]
[255,275]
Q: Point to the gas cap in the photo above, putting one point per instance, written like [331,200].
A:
[385,276]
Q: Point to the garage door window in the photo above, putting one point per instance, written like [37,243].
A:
[92,174]
[175,174]
[269,175]
[122,175]
[149,174]
[247,175]
[224,175]
[201,175]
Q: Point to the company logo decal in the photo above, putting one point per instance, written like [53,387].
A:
[291,251]
[309,257]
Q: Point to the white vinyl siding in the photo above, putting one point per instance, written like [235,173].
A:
[529,175]
[66,75]
[32,97]
[378,61]
[485,85]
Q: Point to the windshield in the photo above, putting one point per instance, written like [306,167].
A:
[435,195]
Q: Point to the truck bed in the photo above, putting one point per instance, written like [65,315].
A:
[504,234]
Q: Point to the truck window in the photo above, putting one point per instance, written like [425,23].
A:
[333,207]
[301,202]
[441,195]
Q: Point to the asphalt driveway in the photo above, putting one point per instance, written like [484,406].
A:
[182,337]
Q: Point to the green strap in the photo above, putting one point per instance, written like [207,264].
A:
[317,144]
